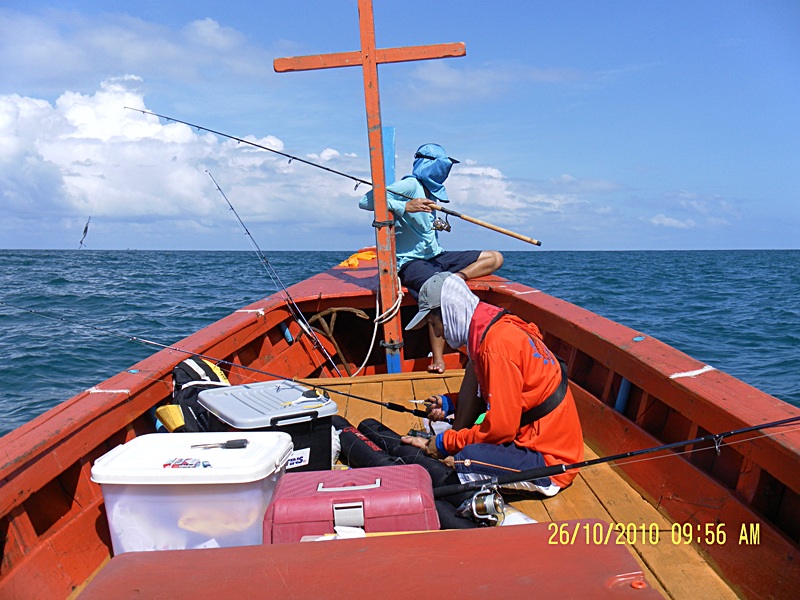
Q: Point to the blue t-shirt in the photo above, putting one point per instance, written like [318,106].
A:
[415,237]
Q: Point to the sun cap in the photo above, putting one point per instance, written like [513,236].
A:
[433,152]
[431,168]
[430,297]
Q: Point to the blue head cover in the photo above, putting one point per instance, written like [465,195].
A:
[431,168]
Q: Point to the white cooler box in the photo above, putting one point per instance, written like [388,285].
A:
[162,494]
[285,406]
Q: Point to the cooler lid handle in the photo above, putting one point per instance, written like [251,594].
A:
[294,418]
[349,488]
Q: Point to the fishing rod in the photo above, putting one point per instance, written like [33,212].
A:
[475,221]
[254,144]
[276,281]
[358,180]
[563,468]
[145,342]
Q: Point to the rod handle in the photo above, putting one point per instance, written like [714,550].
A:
[508,232]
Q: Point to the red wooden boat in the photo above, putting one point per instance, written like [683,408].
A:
[715,522]
[738,506]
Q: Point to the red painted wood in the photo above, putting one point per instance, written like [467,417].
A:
[40,450]
[88,424]
[19,538]
[715,400]
[369,58]
[687,495]
[64,560]
[354,59]
[503,562]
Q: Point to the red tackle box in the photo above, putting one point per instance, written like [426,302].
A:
[394,498]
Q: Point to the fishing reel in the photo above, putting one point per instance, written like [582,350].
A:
[486,508]
[440,224]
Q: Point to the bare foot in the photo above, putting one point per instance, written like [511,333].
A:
[436,367]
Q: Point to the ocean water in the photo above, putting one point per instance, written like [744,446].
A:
[65,316]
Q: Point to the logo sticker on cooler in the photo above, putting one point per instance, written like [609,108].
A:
[186,463]
[299,458]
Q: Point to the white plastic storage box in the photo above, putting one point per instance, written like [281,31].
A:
[163,491]
[279,406]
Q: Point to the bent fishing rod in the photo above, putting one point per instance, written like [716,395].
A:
[550,471]
[297,314]
[145,342]
[254,144]
[358,180]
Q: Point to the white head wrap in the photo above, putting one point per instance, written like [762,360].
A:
[458,306]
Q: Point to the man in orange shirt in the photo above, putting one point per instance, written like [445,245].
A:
[530,418]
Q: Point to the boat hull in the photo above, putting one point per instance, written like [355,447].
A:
[55,535]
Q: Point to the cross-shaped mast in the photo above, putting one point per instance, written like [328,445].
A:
[369,57]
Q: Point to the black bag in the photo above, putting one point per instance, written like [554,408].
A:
[356,449]
[189,378]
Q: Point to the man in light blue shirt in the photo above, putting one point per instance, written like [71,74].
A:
[419,255]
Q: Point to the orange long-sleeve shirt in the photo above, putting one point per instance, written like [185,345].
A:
[516,372]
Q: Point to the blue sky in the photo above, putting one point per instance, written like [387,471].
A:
[589,125]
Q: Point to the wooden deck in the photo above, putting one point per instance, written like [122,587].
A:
[676,570]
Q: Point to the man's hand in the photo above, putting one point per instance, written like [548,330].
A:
[420,205]
[428,446]
[435,412]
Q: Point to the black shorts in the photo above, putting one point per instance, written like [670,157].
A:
[413,274]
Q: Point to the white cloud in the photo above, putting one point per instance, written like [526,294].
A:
[665,221]
[484,192]
[441,82]
[325,155]
[58,50]
[207,32]
[141,178]
[713,207]
[568,184]
[85,155]
[691,209]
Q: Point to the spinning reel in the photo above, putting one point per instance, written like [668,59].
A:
[440,224]
[486,508]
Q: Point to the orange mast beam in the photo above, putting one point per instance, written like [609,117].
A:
[369,57]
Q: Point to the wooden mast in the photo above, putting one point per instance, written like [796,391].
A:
[368,58]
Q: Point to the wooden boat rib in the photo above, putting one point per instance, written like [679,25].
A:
[52,519]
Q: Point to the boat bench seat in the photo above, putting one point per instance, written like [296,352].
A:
[513,562]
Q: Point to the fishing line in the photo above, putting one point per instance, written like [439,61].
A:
[563,468]
[444,491]
[297,314]
[248,142]
[140,340]
[358,180]
[293,308]
[693,450]
[102,180]
[673,454]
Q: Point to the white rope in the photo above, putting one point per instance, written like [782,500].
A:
[386,316]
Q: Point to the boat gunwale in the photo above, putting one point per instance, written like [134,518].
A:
[648,365]
[637,363]
[73,426]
